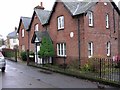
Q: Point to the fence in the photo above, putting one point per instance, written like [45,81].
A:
[105,69]
[97,68]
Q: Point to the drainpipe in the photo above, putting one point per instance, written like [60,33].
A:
[79,41]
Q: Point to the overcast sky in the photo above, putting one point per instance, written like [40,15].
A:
[12,10]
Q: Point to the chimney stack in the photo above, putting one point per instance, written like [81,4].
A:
[41,4]
[40,7]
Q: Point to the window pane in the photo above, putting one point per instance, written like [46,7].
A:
[36,27]
[91,19]
[90,49]
[61,22]
[22,32]
[62,49]
[107,21]
[58,49]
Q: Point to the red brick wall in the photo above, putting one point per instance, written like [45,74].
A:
[35,21]
[98,34]
[23,40]
[64,35]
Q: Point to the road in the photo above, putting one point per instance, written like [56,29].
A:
[19,75]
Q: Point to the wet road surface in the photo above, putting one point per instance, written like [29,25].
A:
[18,75]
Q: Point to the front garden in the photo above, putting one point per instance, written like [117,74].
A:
[99,70]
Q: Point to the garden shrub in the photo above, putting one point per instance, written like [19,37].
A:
[86,67]
[92,65]
[74,64]
[24,56]
[9,54]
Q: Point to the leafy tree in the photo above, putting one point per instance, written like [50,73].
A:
[46,49]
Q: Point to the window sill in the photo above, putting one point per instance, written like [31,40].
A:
[90,56]
[91,26]
[61,56]
[107,28]
[60,29]
[108,55]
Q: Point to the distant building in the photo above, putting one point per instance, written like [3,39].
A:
[1,40]
[12,39]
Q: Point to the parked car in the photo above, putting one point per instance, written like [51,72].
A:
[2,62]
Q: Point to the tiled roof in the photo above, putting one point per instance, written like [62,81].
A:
[43,15]
[78,7]
[26,22]
[12,35]
[83,7]
[40,35]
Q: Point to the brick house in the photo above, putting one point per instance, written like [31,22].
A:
[37,26]
[81,30]
[23,33]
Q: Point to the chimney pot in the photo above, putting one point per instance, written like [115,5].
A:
[41,4]
[40,7]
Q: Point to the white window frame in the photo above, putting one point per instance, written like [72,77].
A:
[107,20]
[90,49]
[23,32]
[61,49]
[60,20]
[90,16]
[36,27]
[108,48]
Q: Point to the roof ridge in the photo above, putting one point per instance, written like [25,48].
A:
[25,17]
[42,10]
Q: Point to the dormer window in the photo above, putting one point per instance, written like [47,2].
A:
[23,32]
[36,27]
[90,18]
[60,22]
[107,21]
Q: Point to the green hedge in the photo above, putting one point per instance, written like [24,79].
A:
[9,54]
[23,55]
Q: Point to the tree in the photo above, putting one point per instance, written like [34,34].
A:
[46,48]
